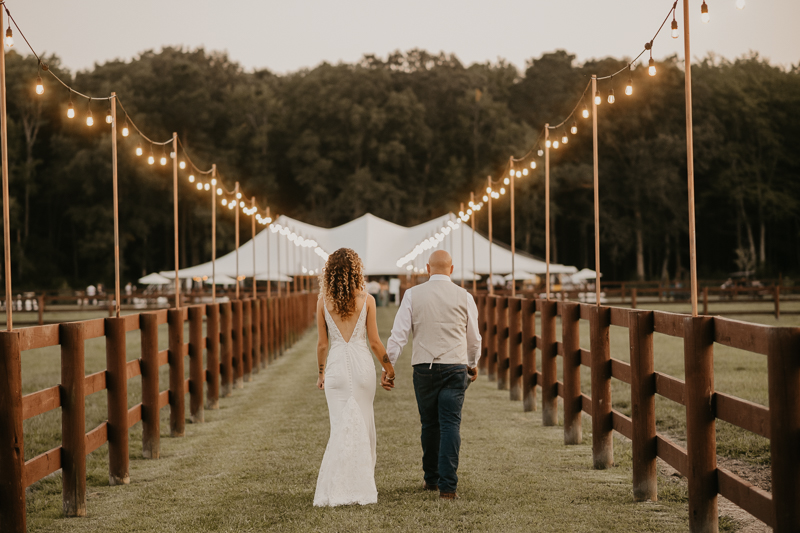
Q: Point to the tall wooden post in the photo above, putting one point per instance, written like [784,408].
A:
[212,356]
[502,343]
[643,402]
[269,269]
[690,153]
[549,364]
[117,394]
[196,374]
[238,345]
[491,271]
[571,343]
[480,302]
[151,420]
[698,393]
[547,211]
[528,355]
[602,426]
[783,366]
[12,450]
[265,333]
[513,236]
[236,223]
[247,339]
[514,349]
[73,419]
[253,224]
[177,402]
[116,203]
[6,217]
[226,323]
[491,337]
[175,216]
[596,192]
[214,240]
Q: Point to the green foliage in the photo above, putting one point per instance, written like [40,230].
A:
[406,138]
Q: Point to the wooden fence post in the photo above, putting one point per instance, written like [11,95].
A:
[177,401]
[212,356]
[238,346]
[643,403]
[41,309]
[602,428]
[264,336]
[698,357]
[12,451]
[247,339]
[480,301]
[73,419]
[633,298]
[272,329]
[777,298]
[491,337]
[705,300]
[529,355]
[284,318]
[226,369]
[549,367]
[196,374]
[151,420]
[571,343]
[784,412]
[514,349]
[117,394]
[502,343]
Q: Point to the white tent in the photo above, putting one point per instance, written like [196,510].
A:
[522,276]
[378,242]
[220,279]
[155,279]
[585,274]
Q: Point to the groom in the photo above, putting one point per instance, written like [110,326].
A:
[444,320]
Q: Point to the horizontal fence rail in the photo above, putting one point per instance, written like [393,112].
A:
[241,337]
[508,331]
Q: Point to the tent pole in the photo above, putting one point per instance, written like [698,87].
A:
[491,272]
[213,237]
[547,206]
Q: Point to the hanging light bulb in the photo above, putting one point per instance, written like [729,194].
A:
[219,192]
[89,119]
[191,178]
[533,164]
[10,36]
[238,195]
[564,138]
[506,181]
[151,158]
[488,190]
[674,26]
[585,112]
[502,190]
[139,149]
[70,109]
[519,174]
[651,69]
[207,186]
[739,5]
[224,201]
[213,181]
[541,153]
[485,198]
[524,172]
[241,204]
[163,160]
[182,165]
[511,172]
[597,98]
[125,130]
[108,117]
[611,98]
[39,85]
[629,87]
[199,186]
[555,144]
[548,143]
[704,13]
[574,129]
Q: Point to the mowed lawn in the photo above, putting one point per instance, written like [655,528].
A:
[253,465]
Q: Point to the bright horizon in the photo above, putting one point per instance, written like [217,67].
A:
[286,37]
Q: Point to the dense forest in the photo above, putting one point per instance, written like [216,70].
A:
[407,137]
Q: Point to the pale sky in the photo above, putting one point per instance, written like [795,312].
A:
[287,35]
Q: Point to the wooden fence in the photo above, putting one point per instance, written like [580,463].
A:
[241,337]
[510,339]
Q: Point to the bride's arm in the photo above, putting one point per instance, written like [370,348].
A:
[375,340]
[322,342]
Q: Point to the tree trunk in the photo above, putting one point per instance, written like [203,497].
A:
[553,239]
[762,246]
[749,229]
[665,264]
[639,247]
[678,259]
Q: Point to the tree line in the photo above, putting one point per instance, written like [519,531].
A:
[407,137]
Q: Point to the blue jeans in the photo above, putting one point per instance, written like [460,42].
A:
[440,394]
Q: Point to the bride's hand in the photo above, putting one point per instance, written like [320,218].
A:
[321,382]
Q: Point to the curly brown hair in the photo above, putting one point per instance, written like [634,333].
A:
[342,277]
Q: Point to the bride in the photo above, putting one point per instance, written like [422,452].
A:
[345,319]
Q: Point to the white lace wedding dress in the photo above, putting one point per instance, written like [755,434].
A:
[347,474]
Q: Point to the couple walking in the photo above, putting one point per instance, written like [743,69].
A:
[443,318]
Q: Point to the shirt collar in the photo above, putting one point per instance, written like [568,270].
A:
[439,277]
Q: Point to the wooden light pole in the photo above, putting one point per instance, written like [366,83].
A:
[472,218]
[253,221]
[214,235]
[4,156]
[175,202]
[513,239]
[278,260]
[116,196]
[690,154]
[489,192]
[596,193]
[547,208]
[269,275]
[236,196]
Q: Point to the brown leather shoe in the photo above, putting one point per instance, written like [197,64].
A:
[432,488]
[448,496]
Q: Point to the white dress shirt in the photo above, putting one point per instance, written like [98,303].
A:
[403,323]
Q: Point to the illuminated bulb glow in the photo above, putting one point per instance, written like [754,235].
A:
[629,88]
[213,181]
[511,172]
[10,37]
[108,117]
[151,160]
[548,143]
[574,129]
[71,111]
[125,131]
[540,152]
[506,181]
[224,201]
[139,150]
[651,69]
[89,119]
[585,112]
[207,186]
[219,192]
[163,160]
[611,98]
[241,204]
[238,195]
[39,85]
[704,16]
[502,190]
[199,186]
[555,145]
[597,98]
[182,165]
[191,178]
[519,174]
[524,172]
[485,198]
[533,164]
[489,190]
[674,27]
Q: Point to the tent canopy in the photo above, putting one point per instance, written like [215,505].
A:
[378,242]
[585,274]
[155,279]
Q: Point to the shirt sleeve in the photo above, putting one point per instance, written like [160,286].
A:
[473,335]
[400,329]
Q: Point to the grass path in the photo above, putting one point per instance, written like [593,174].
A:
[253,465]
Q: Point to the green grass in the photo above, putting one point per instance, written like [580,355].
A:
[253,466]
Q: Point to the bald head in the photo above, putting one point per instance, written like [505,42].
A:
[440,262]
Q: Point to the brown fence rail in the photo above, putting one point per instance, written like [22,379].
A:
[241,337]
[508,326]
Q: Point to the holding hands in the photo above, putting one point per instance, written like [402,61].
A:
[387,376]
